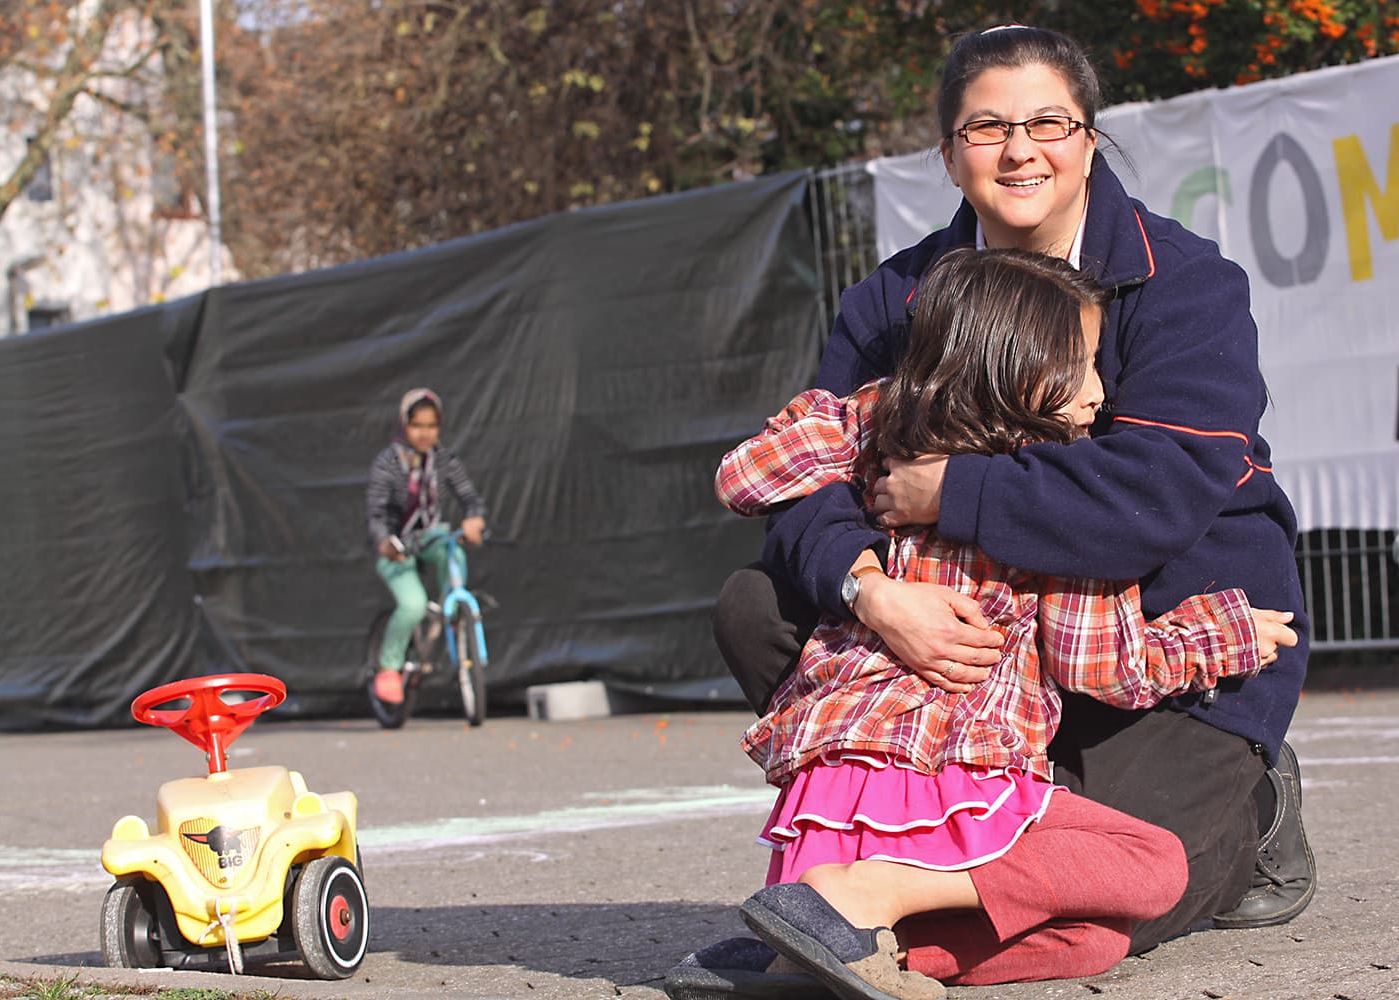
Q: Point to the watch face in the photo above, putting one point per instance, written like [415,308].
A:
[849,587]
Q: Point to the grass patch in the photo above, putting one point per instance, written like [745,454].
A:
[62,988]
[69,988]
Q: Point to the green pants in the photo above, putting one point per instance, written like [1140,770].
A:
[409,595]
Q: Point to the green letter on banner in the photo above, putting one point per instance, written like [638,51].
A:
[1358,184]
[1206,180]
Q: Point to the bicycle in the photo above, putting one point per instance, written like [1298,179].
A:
[454,625]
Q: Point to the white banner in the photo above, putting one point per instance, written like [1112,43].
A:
[1298,181]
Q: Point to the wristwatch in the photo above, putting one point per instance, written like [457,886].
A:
[850,586]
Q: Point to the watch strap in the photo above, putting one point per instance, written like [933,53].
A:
[850,589]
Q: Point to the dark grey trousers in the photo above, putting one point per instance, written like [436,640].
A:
[1162,766]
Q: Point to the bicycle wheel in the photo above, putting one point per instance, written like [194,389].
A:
[471,671]
[389,715]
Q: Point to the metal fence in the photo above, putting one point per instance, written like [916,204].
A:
[842,224]
[1351,581]
[1350,578]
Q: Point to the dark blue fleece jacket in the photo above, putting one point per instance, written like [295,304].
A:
[1174,488]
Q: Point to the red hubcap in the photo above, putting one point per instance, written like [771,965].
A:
[341,917]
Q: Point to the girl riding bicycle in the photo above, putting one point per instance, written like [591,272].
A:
[403,511]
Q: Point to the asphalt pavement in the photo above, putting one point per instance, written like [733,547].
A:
[572,860]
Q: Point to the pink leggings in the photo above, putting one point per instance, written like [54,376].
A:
[1060,904]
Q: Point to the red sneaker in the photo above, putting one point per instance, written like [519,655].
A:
[388,687]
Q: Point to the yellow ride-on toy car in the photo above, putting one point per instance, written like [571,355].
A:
[245,861]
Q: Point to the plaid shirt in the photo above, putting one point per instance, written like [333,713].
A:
[850,695]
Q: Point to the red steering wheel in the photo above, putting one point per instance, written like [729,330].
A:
[209,722]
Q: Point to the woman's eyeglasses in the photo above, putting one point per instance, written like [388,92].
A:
[1046,128]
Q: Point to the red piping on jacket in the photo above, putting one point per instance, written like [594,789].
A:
[1183,429]
[1150,257]
[1252,468]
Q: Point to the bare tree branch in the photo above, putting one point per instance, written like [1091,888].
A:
[70,81]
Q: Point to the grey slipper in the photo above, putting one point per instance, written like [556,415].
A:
[855,963]
[740,967]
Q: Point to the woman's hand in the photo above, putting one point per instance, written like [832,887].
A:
[473,529]
[909,492]
[390,551]
[938,633]
[1273,631]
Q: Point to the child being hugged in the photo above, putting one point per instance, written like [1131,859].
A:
[899,800]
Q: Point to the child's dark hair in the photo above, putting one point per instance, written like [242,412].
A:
[996,348]
[425,403]
[1013,47]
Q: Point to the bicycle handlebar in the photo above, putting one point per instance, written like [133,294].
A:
[487,538]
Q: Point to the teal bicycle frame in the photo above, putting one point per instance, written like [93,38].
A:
[456,596]
[455,620]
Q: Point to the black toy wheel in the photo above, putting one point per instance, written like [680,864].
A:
[330,917]
[131,925]
[471,673]
[389,716]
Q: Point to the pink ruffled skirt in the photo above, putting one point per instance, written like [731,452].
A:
[859,809]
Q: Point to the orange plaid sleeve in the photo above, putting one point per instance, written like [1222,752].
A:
[1094,638]
[816,440]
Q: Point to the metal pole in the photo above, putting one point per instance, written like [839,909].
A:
[211,138]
